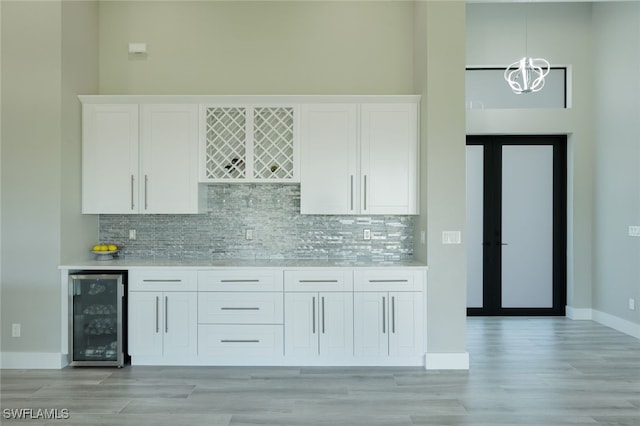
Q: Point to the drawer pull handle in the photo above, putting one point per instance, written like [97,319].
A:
[313,314]
[239,341]
[318,281]
[384,315]
[239,309]
[388,281]
[162,281]
[239,281]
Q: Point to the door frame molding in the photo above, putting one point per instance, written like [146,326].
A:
[492,285]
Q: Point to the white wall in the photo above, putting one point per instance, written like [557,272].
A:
[39,131]
[561,33]
[617,159]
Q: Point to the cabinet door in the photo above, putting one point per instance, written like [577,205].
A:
[180,324]
[336,324]
[301,324]
[109,158]
[224,144]
[329,182]
[371,324]
[145,323]
[406,324]
[389,159]
[169,178]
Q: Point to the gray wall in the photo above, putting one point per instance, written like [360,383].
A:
[40,154]
[617,159]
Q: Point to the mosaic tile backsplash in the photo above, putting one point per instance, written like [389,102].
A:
[272,212]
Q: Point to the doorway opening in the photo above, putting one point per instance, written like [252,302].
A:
[516,225]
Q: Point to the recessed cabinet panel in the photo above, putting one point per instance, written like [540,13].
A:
[109,158]
[169,179]
[389,160]
[240,308]
[329,182]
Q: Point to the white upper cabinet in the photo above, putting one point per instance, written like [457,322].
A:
[169,173]
[359,158]
[140,158]
[109,158]
[329,182]
[389,158]
[249,144]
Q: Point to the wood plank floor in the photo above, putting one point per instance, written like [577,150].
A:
[524,371]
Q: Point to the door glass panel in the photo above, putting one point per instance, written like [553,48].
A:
[527,226]
[475,219]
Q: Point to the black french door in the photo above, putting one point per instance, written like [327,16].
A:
[517,212]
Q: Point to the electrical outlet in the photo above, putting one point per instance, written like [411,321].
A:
[634,231]
[133,234]
[15,330]
[248,234]
[367,234]
[632,304]
[423,237]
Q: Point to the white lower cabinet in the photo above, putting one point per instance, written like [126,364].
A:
[388,324]
[162,324]
[270,316]
[319,325]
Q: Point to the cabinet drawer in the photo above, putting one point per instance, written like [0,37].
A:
[240,340]
[318,280]
[240,308]
[162,280]
[247,280]
[389,280]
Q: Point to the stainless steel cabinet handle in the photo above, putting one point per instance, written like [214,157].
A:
[323,315]
[365,192]
[146,185]
[239,341]
[161,281]
[132,203]
[393,314]
[317,281]
[313,314]
[384,315]
[166,314]
[240,309]
[239,281]
[351,192]
[157,314]
[388,281]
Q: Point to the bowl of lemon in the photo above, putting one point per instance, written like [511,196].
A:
[105,251]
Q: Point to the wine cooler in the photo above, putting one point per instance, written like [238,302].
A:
[96,319]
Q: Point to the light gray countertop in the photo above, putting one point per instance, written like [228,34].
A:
[129,263]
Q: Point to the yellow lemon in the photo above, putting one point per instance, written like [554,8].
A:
[96,247]
[104,247]
[113,247]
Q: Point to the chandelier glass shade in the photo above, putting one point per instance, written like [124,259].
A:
[527,75]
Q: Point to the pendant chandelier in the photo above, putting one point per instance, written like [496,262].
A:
[527,74]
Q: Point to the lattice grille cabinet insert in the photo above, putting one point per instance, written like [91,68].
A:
[273,143]
[225,143]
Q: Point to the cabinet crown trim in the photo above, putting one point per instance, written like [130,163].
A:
[245,99]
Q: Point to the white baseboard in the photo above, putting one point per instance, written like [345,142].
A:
[579,313]
[447,361]
[32,360]
[611,321]
[622,325]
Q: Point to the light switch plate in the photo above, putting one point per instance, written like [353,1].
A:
[367,234]
[634,231]
[451,237]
